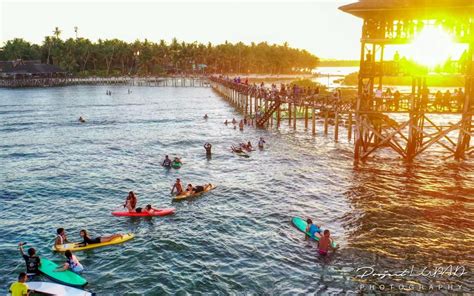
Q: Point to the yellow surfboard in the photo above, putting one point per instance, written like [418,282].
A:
[186,196]
[74,247]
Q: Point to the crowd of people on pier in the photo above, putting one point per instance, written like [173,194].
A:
[389,100]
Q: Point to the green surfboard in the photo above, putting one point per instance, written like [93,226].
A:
[67,277]
[301,224]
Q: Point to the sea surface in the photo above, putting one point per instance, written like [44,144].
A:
[386,215]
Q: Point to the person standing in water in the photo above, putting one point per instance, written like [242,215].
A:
[205,116]
[325,243]
[208,147]
[61,238]
[131,202]
[32,261]
[241,125]
[20,288]
[72,263]
[178,187]
[166,162]
[261,142]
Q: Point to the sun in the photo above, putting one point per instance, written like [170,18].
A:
[433,46]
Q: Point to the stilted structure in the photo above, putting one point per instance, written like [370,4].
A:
[392,22]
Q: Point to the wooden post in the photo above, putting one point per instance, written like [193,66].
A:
[246,105]
[336,127]
[278,116]
[271,120]
[326,118]
[289,114]
[349,128]
[306,117]
[250,107]
[294,115]
[314,120]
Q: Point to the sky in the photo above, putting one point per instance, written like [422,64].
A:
[317,26]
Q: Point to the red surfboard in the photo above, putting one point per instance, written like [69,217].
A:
[159,212]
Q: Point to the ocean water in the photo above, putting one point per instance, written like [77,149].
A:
[385,214]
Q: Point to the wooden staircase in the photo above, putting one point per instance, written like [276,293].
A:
[266,116]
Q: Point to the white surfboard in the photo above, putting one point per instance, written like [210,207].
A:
[56,289]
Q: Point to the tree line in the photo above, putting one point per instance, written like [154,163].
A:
[116,57]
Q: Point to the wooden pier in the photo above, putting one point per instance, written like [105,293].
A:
[174,81]
[267,106]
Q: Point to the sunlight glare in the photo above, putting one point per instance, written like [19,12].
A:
[433,46]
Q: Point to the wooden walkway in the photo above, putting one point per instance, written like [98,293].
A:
[269,107]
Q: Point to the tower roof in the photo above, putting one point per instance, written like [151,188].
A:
[409,8]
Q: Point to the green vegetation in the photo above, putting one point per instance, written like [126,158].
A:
[115,57]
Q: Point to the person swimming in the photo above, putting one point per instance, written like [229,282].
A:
[177,160]
[81,119]
[226,122]
[205,116]
[234,121]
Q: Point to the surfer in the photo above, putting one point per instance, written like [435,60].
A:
[130,202]
[312,229]
[72,263]
[178,187]
[32,261]
[97,240]
[61,238]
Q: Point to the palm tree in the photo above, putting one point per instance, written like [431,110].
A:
[57,32]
